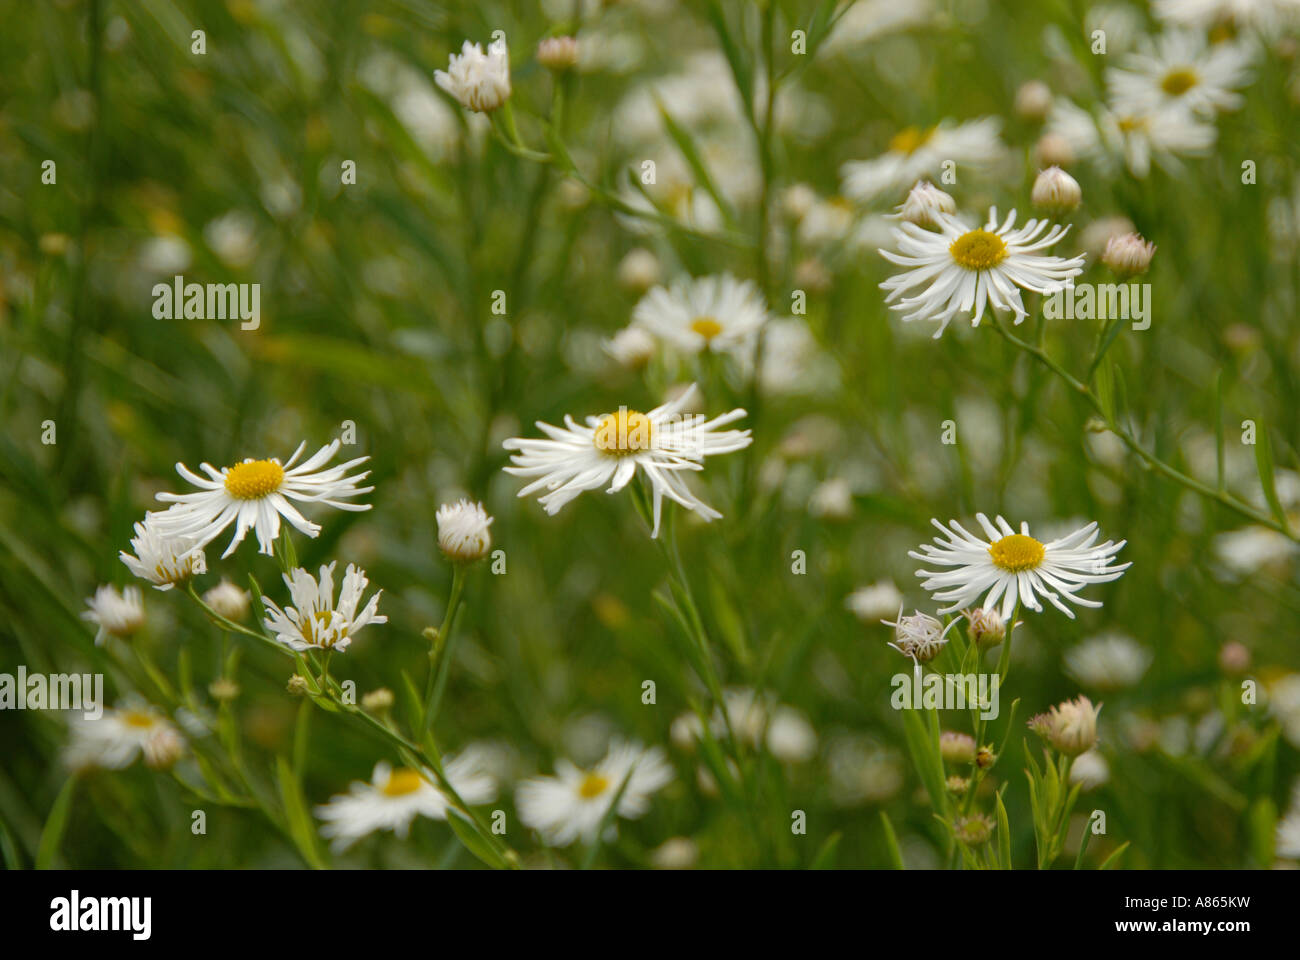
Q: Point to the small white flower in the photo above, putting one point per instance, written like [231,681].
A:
[874,602]
[1159,136]
[631,346]
[916,153]
[1109,661]
[959,269]
[639,270]
[255,494]
[572,804]
[228,600]
[705,314]
[1033,100]
[1010,566]
[662,443]
[479,81]
[1250,549]
[116,614]
[924,201]
[162,560]
[463,533]
[114,740]
[394,798]
[1266,16]
[919,636]
[313,621]
[1178,69]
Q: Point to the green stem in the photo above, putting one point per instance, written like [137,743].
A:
[440,652]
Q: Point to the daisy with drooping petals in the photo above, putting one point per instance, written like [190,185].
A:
[958,269]
[479,81]
[163,561]
[255,494]
[610,448]
[313,622]
[915,154]
[116,614]
[394,798]
[1178,70]
[1012,566]
[705,314]
[573,803]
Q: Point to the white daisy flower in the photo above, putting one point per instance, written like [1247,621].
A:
[314,622]
[610,448]
[479,81]
[572,804]
[916,154]
[873,602]
[1179,69]
[1010,566]
[1267,16]
[113,740]
[116,614]
[631,346]
[714,314]
[255,494]
[162,560]
[463,533]
[394,798]
[1159,136]
[1109,661]
[961,269]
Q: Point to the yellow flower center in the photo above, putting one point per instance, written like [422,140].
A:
[254,479]
[1017,553]
[137,718]
[622,433]
[592,786]
[1130,124]
[706,327]
[978,250]
[910,139]
[403,781]
[1177,82]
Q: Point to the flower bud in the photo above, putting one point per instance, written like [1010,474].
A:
[228,600]
[463,531]
[1056,191]
[956,747]
[923,202]
[1128,255]
[377,701]
[639,270]
[223,689]
[1234,658]
[798,200]
[984,757]
[919,636]
[632,347]
[1034,100]
[1073,726]
[558,53]
[974,830]
[957,785]
[986,626]
[297,685]
[1054,150]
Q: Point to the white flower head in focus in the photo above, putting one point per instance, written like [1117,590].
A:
[255,494]
[663,444]
[1012,566]
[479,81]
[313,621]
[116,614]
[959,269]
[395,797]
[572,804]
[463,533]
[162,560]
[706,314]
[915,154]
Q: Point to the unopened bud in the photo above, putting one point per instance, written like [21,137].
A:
[1056,191]
[1128,255]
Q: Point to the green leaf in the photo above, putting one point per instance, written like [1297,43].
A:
[1004,832]
[1264,464]
[825,859]
[929,765]
[1218,431]
[52,834]
[474,843]
[301,827]
[891,843]
[1105,865]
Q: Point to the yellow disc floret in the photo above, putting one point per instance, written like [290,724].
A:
[138,718]
[254,479]
[978,250]
[403,781]
[1017,553]
[706,327]
[910,139]
[592,786]
[1177,82]
[623,433]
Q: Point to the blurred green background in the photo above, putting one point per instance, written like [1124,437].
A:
[376,308]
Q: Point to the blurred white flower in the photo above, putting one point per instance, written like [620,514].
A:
[394,798]
[1267,16]
[1251,549]
[609,449]
[1108,661]
[631,346]
[255,494]
[1178,69]
[116,614]
[572,804]
[313,621]
[1011,566]
[479,81]
[875,602]
[832,499]
[711,314]
[1139,139]
[916,154]
[113,740]
[230,601]
[1090,769]
[959,269]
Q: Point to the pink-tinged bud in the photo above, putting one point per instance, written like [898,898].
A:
[558,53]
[1128,255]
[1056,191]
[956,747]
